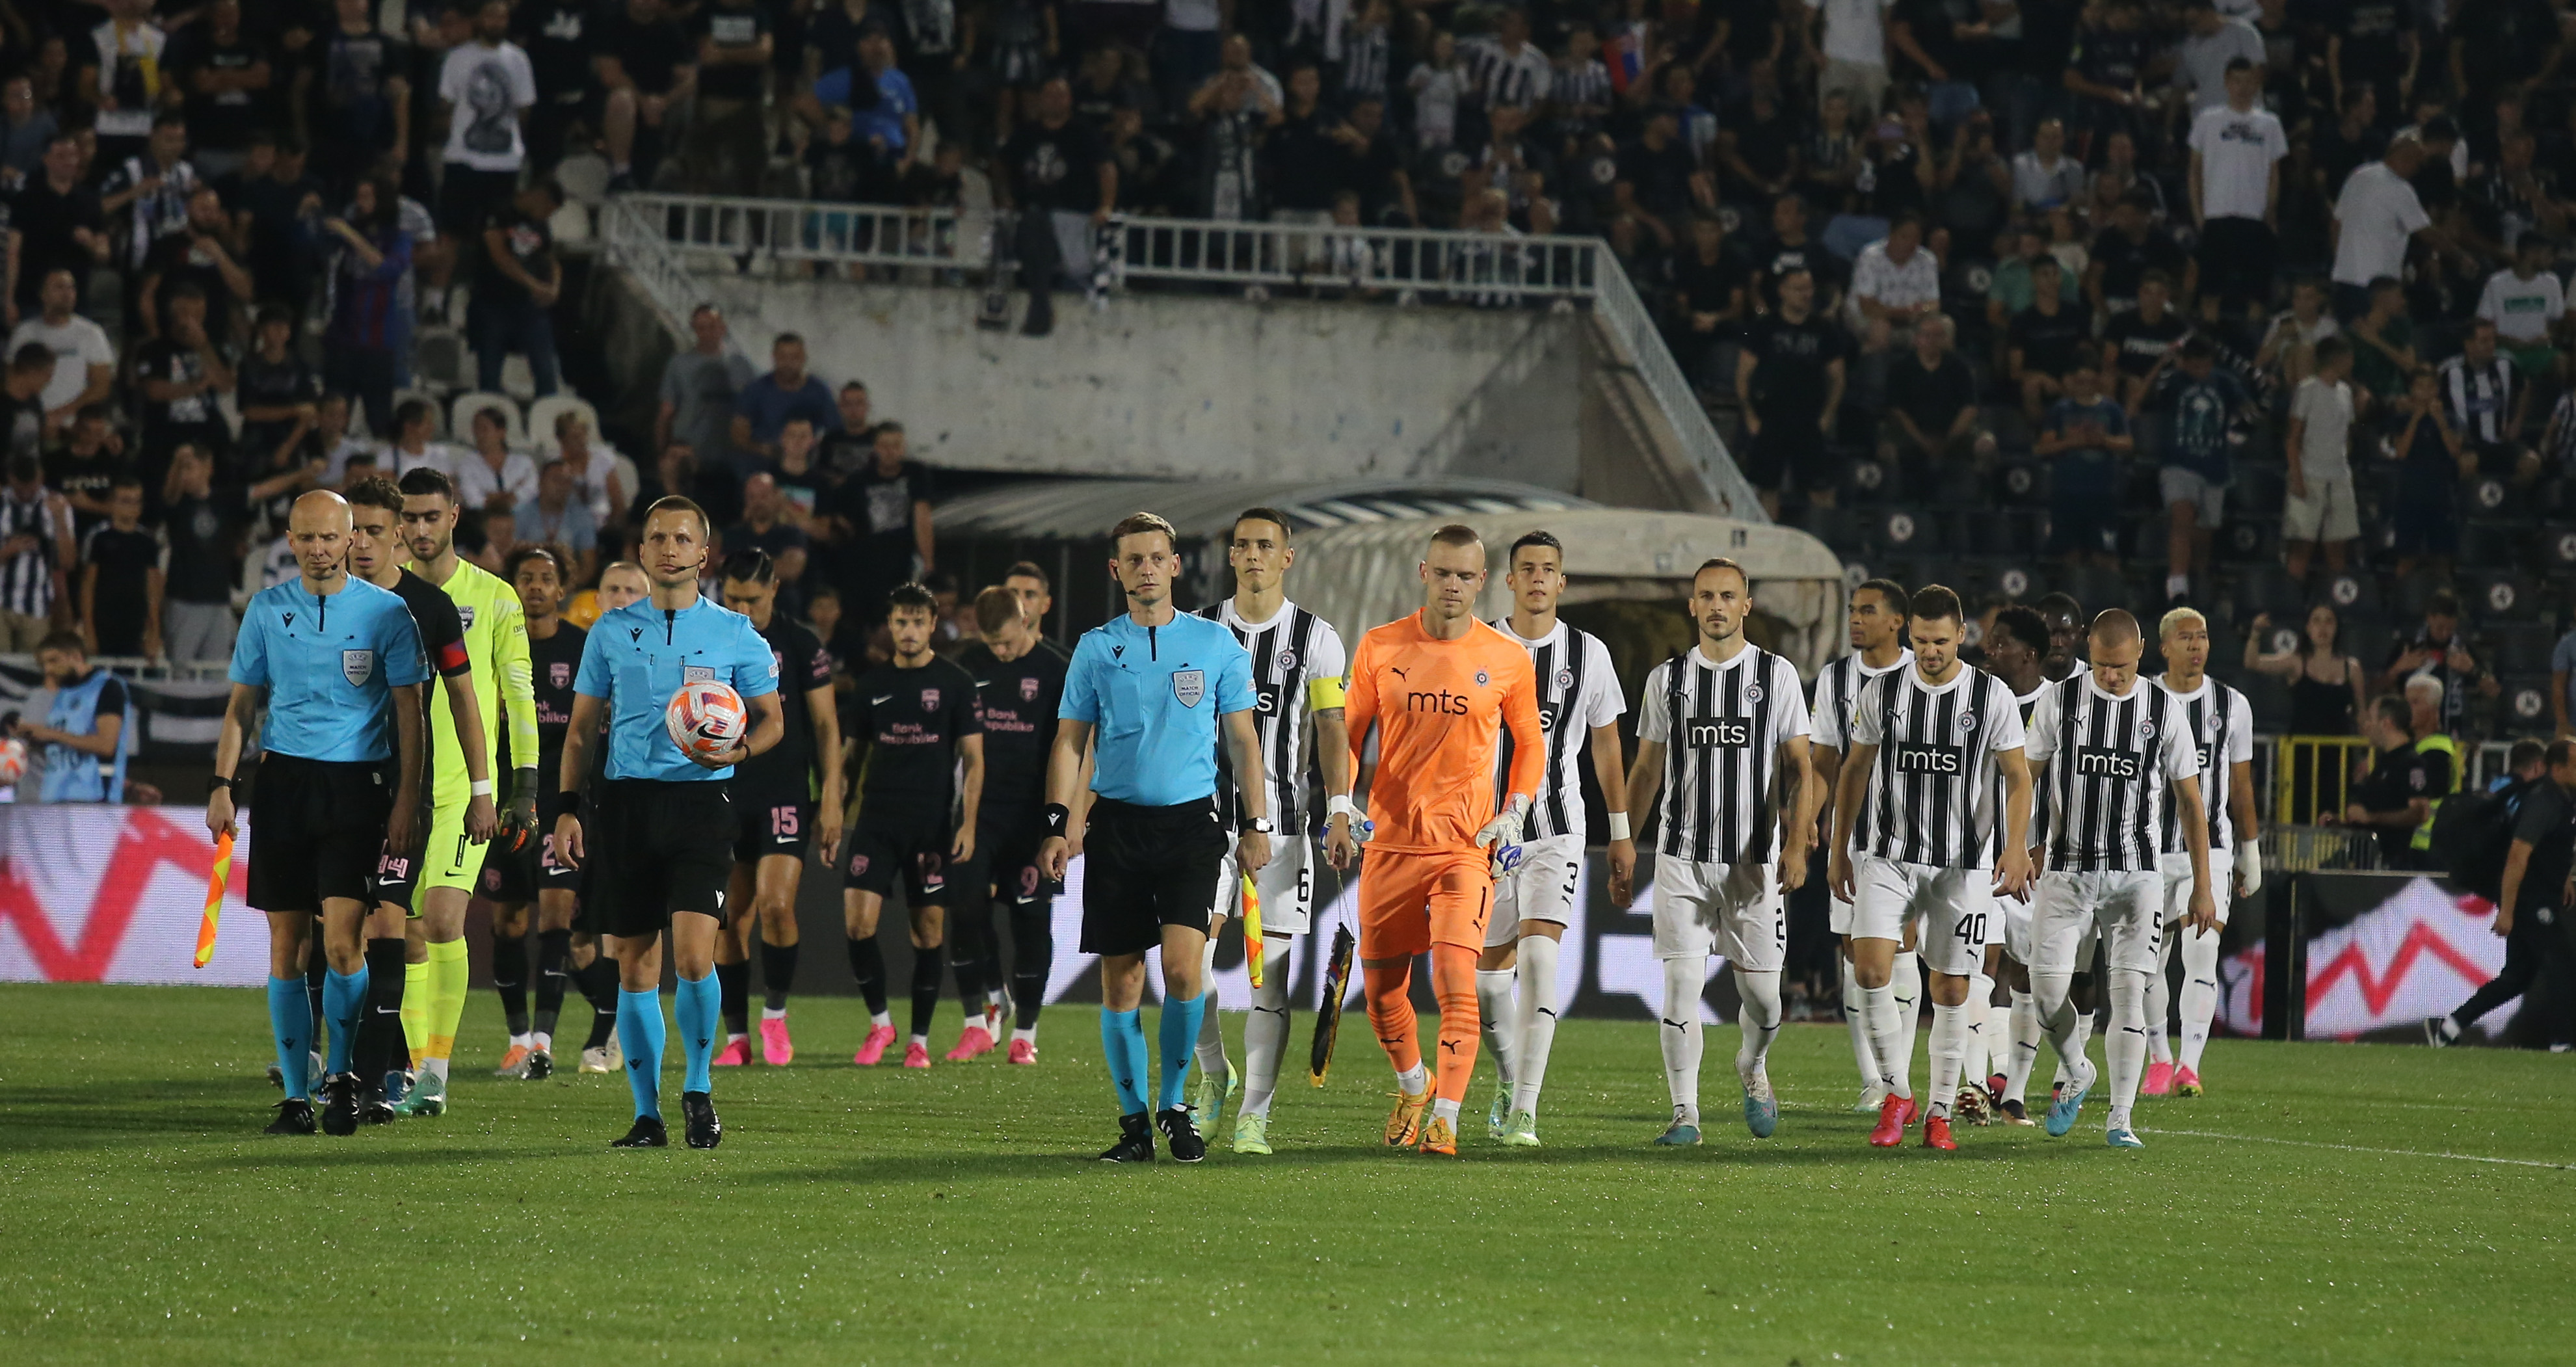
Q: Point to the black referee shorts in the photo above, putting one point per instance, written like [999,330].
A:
[909,844]
[1145,868]
[317,828]
[654,848]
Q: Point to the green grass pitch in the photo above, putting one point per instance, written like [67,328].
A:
[2322,1205]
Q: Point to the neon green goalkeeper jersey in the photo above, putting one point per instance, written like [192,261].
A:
[496,640]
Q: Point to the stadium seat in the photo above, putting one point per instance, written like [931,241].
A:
[2354,592]
[2259,491]
[2519,647]
[2268,588]
[2414,591]
[1867,481]
[437,413]
[2523,709]
[2558,548]
[2500,596]
[584,178]
[439,362]
[1902,532]
[1838,528]
[2147,540]
[461,415]
[2025,483]
[2488,544]
[571,225]
[2099,589]
[2487,497]
[2368,641]
[2248,540]
[543,413]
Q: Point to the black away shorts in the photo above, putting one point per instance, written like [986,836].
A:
[909,845]
[770,823]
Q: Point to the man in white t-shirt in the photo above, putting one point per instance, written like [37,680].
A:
[84,363]
[1854,52]
[1895,282]
[2236,152]
[2320,503]
[2212,44]
[2525,301]
[2375,215]
[486,89]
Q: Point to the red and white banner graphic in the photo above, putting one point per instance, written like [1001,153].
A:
[2418,952]
[115,894]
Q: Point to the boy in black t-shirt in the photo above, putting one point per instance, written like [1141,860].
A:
[521,281]
[120,583]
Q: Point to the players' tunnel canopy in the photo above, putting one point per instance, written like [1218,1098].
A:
[1359,540]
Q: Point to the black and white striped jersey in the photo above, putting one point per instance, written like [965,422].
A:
[1934,789]
[2110,762]
[2025,704]
[1837,690]
[1291,653]
[2222,734]
[1577,690]
[1722,727]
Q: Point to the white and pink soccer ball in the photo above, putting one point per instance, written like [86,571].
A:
[706,718]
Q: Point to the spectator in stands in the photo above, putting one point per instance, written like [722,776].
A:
[1789,379]
[198,252]
[2046,342]
[274,390]
[23,421]
[555,517]
[151,188]
[646,68]
[2288,354]
[2562,683]
[700,385]
[2325,684]
[333,439]
[1708,296]
[2087,441]
[596,479]
[2134,343]
[25,128]
[84,363]
[2045,177]
[492,477]
[1895,283]
[59,225]
[1852,53]
[2126,252]
[2431,461]
[412,448]
[1932,410]
[2237,147]
[2376,215]
[801,483]
[86,465]
[2322,505]
[227,77]
[726,139]
[371,259]
[766,403]
[521,284]
[2437,651]
[2396,796]
[36,552]
[485,88]
[2528,305]
[85,736]
[120,585]
[201,522]
[844,450]
[2383,342]
[2487,401]
[886,508]
[2201,405]
[181,375]
[360,105]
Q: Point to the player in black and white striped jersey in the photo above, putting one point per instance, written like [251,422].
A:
[1936,757]
[1877,635]
[1297,672]
[2015,646]
[2221,726]
[1722,734]
[1578,707]
[2114,753]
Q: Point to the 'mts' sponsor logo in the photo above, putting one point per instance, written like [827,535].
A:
[1928,759]
[1714,733]
[2095,762]
[1439,700]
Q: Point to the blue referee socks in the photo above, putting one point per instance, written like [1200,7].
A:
[1180,1044]
[344,998]
[640,1035]
[1122,1042]
[700,1007]
[290,1020]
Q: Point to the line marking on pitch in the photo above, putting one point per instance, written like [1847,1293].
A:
[2355,1148]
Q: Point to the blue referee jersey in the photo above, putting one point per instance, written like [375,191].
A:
[329,663]
[639,656]
[1153,696]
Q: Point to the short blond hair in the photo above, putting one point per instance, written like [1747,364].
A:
[2179,618]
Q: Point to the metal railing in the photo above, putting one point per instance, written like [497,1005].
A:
[656,235]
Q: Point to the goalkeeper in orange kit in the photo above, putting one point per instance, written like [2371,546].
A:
[1439,687]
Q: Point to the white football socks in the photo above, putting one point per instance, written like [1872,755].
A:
[1905,979]
[1864,1053]
[2023,1049]
[1757,1020]
[1979,1064]
[1949,1050]
[1495,1014]
[2065,1025]
[2159,1007]
[2127,1046]
[1878,1008]
[1537,1020]
[1265,1031]
[1413,1081]
[1679,1033]
[2199,993]
[1211,1048]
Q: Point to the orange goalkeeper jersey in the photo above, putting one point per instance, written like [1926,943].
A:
[1440,708]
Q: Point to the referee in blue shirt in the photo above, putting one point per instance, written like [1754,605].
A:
[342,664]
[662,825]
[1152,685]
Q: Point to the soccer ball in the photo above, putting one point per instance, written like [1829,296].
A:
[706,718]
[13,760]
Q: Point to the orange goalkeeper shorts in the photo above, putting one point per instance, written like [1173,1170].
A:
[1410,902]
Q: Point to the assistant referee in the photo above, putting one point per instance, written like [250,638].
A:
[663,820]
[1153,683]
[337,655]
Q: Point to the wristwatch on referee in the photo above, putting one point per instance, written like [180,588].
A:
[1256,825]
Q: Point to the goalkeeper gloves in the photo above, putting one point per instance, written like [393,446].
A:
[1503,833]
